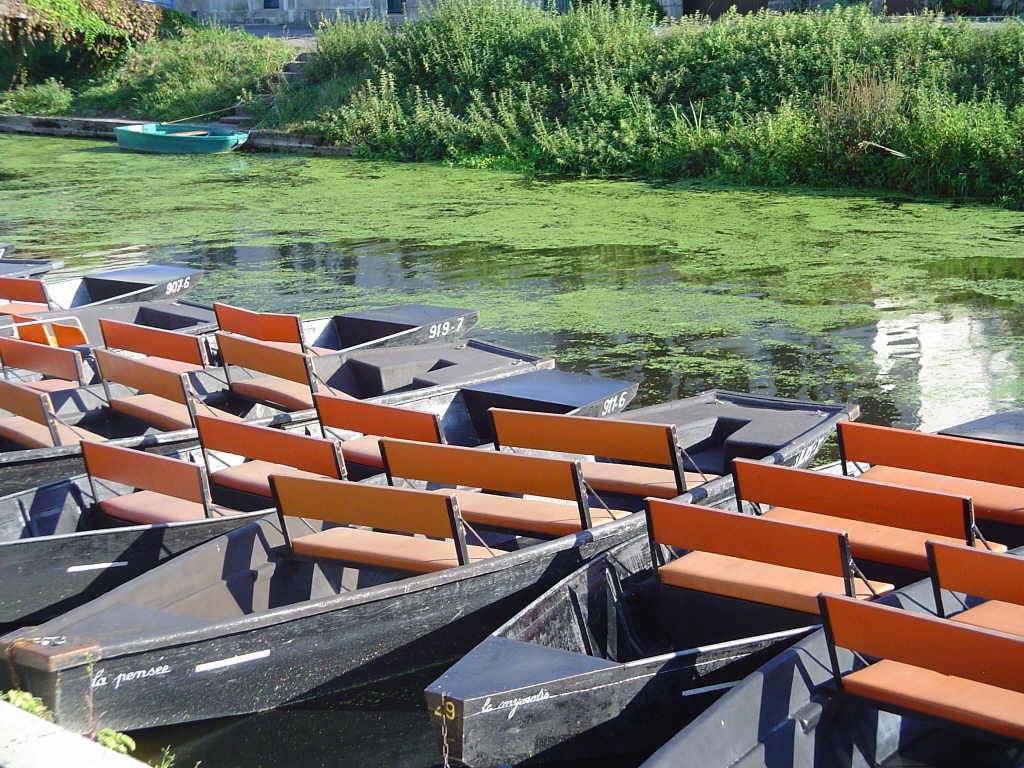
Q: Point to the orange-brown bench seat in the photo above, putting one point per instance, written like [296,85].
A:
[289,394]
[388,550]
[547,518]
[871,541]
[992,501]
[22,308]
[944,696]
[51,385]
[150,507]
[633,480]
[163,413]
[254,476]
[176,366]
[363,450]
[292,346]
[30,434]
[756,581]
[995,614]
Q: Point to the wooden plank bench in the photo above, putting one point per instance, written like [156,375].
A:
[776,563]
[62,367]
[172,350]
[269,451]
[393,514]
[886,523]
[991,474]
[641,443]
[929,666]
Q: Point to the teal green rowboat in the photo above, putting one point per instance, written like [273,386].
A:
[178,139]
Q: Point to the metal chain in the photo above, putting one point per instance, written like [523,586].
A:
[444,733]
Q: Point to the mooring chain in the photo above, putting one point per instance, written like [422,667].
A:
[444,732]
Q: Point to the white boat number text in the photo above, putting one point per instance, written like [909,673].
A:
[616,403]
[100,678]
[178,285]
[439,330]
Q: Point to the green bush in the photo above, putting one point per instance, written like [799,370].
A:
[47,98]
[826,97]
[199,71]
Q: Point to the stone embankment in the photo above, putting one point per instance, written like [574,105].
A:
[103,128]
[27,741]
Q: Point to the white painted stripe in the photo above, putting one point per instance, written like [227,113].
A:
[710,688]
[95,566]
[232,661]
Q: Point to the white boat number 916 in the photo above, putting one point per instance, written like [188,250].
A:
[439,330]
[616,403]
[178,285]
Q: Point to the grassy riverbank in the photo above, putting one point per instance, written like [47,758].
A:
[820,98]
[188,71]
[826,99]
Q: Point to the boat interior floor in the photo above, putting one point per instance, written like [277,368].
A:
[717,427]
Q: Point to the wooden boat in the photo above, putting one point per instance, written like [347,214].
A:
[178,139]
[788,710]
[623,648]
[247,608]
[144,405]
[18,267]
[802,708]
[86,553]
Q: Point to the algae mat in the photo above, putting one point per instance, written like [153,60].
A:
[914,308]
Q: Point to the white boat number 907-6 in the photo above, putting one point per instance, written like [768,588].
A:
[440,330]
[178,285]
[616,403]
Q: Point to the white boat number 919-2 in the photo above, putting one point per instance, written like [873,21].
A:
[616,403]
[178,285]
[439,330]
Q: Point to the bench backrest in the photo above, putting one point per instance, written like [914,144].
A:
[142,376]
[50,332]
[312,454]
[975,572]
[376,419]
[384,508]
[157,342]
[636,441]
[266,326]
[703,529]
[148,471]
[492,471]
[938,454]
[265,358]
[944,514]
[23,289]
[49,361]
[27,403]
[947,647]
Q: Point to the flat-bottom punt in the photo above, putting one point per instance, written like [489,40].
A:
[785,715]
[179,139]
[236,626]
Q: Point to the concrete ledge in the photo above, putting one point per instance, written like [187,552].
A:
[27,741]
[103,128]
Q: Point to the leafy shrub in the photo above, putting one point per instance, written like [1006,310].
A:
[818,97]
[47,98]
[26,701]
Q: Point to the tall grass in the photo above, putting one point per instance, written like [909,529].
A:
[836,97]
[200,70]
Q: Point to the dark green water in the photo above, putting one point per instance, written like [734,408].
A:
[913,308]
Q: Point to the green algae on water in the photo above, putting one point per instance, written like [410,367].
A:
[792,292]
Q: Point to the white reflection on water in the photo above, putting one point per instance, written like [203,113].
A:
[948,368]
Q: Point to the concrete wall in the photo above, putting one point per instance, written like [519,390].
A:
[27,741]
